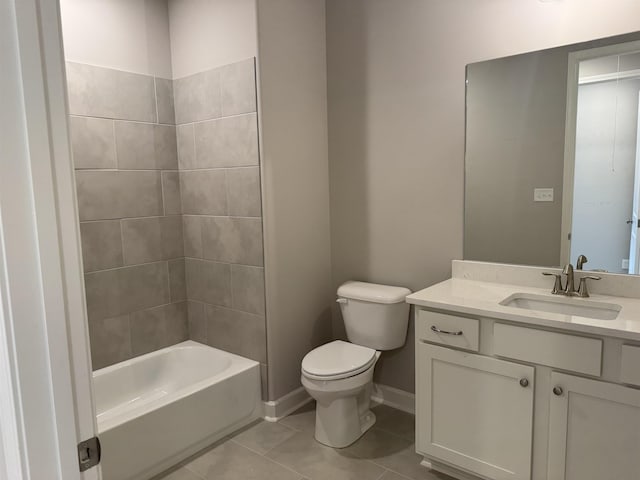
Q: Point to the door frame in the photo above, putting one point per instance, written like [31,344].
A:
[46,400]
[570,135]
[634,245]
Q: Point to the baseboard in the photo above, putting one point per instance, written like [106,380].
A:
[274,410]
[394,398]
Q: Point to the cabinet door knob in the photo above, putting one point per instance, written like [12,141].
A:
[524,383]
[557,391]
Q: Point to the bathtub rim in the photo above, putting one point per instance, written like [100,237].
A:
[238,365]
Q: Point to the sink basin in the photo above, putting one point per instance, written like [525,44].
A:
[563,306]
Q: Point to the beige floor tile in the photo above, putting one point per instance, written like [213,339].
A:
[264,436]
[389,475]
[317,462]
[395,421]
[303,419]
[231,461]
[393,453]
[180,474]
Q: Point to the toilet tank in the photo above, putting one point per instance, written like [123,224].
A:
[375,316]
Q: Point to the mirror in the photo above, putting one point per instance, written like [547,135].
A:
[552,162]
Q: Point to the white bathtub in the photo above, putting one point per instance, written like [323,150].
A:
[155,410]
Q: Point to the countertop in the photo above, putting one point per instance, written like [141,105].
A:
[481,298]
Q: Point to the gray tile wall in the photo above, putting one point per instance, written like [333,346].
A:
[170,210]
[123,138]
[217,142]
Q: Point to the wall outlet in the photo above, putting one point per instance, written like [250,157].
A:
[625,264]
[543,194]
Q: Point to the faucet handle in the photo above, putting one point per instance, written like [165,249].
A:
[583,291]
[557,285]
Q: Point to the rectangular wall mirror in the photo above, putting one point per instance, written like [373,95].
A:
[552,165]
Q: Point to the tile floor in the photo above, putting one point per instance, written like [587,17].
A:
[287,451]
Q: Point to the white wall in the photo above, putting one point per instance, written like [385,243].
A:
[210,33]
[396,125]
[293,113]
[130,35]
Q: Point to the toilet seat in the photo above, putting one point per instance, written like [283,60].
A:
[336,360]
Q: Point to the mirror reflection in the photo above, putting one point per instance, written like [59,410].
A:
[552,167]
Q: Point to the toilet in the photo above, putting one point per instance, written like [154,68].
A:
[338,375]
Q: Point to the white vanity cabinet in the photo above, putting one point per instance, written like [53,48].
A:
[594,430]
[475,412]
[497,400]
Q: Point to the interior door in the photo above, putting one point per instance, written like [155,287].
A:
[40,230]
[634,249]
[594,430]
[475,412]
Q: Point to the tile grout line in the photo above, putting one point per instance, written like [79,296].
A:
[265,457]
[119,119]
[384,472]
[115,144]
[155,97]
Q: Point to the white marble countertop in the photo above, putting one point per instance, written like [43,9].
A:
[481,298]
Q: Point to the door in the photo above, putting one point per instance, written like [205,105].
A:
[594,430]
[44,346]
[634,249]
[475,412]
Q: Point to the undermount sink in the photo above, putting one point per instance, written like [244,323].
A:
[563,306]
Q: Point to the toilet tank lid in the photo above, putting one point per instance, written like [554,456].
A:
[373,292]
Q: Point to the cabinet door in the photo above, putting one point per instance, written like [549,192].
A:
[475,412]
[594,430]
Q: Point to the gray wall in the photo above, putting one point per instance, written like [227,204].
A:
[396,126]
[516,110]
[220,185]
[293,113]
[124,151]
[142,183]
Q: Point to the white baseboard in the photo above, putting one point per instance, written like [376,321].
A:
[274,410]
[394,398]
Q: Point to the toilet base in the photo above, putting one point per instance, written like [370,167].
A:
[343,421]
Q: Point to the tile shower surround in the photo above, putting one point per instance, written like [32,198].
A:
[170,209]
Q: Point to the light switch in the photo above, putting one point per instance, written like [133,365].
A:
[625,264]
[543,194]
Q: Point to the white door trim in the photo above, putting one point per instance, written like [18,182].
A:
[570,135]
[46,376]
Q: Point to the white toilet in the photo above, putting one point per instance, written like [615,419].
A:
[338,375]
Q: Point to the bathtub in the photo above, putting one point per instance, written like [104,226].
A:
[157,409]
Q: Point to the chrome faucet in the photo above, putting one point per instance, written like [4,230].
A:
[569,288]
[581,261]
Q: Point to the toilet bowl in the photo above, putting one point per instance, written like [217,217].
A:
[341,393]
[339,374]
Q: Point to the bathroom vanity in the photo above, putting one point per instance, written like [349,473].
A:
[506,390]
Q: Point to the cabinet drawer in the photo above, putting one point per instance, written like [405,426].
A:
[568,352]
[448,330]
[630,366]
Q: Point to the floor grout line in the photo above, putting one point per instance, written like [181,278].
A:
[268,459]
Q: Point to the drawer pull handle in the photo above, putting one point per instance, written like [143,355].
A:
[437,330]
[557,391]
[524,382]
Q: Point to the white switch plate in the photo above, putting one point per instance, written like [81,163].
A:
[543,194]
[625,264]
